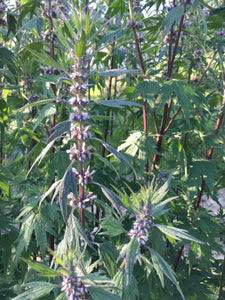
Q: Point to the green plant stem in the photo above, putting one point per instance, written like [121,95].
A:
[108,98]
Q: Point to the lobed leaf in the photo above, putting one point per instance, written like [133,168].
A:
[162,268]
[35,290]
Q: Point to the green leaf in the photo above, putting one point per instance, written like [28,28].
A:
[149,88]
[117,72]
[81,231]
[161,192]
[40,102]
[116,153]
[41,268]
[172,18]
[51,189]
[61,36]
[5,177]
[117,7]
[203,168]
[98,293]
[130,252]
[35,290]
[25,234]
[111,226]
[183,99]
[40,233]
[158,210]
[59,129]
[162,268]
[45,59]
[81,47]
[46,112]
[42,155]
[108,255]
[177,233]
[67,184]
[166,92]
[113,198]
[148,264]
[106,161]
[61,296]
[58,260]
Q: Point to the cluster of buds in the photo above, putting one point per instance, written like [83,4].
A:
[197,56]
[33,98]
[29,89]
[161,178]
[141,226]
[73,287]
[220,33]
[170,38]
[190,2]
[206,11]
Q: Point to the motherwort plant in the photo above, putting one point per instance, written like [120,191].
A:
[80,133]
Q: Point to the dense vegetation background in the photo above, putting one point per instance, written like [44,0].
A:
[111,134]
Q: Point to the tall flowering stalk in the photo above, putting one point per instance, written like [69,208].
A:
[80,133]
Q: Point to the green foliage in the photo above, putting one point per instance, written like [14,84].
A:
[140,225]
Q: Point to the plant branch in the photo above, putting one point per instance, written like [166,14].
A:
[206,69]
[176,44]
[177,259]
[171,120]
[155,122]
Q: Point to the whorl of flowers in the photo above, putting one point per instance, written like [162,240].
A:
[197,57]
[141,226]
[73,287]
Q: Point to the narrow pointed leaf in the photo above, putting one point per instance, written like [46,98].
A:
[177,233]
[117,154]
[42,268]
[67,184]
[42,155]
[118,103]
[113,198]
[117,72]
